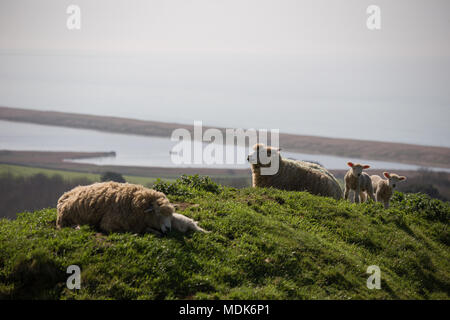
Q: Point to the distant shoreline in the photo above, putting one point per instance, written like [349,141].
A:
[54,160]
[426,156]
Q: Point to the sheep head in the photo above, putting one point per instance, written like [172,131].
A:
[393,179]
[158,210]
[262,156]
[357,168]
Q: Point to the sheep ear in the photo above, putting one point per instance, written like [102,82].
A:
[366,166]
[350,164]
[386,174]
[402,178]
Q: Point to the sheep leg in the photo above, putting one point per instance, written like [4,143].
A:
[362,195]
[154,231]
[346,192]
[357,195]
[371,193]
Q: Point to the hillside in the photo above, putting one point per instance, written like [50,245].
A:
[264,244]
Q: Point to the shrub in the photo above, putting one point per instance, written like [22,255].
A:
[112,176]
[183,186]
[423,205]
[20,193]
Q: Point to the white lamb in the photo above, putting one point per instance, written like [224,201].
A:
[358,181]
[385,188]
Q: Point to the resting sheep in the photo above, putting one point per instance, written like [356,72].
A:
[120,207]
[385,188]
[358,181]
[292,174]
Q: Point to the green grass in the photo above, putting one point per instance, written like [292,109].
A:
[264,244]
[69,175]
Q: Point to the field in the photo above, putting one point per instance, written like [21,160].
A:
[264,244]
[142,175]
[69,175]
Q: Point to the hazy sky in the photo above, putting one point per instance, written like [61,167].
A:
[309,67]
[409,27]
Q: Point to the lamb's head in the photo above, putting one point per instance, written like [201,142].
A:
[357,168]
[262,156]
[393,179]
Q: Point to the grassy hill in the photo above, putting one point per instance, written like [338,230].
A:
[264,244]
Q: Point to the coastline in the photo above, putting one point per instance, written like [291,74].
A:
[426,156]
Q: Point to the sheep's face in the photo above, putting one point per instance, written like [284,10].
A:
[160,206]
[161,212]
[393,179]
[357,168]
[262,156]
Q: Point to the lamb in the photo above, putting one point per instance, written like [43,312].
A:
[120,207]
[184,224]
[292,174]
[385,188]
[358,181]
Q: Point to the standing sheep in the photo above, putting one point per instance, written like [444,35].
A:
[385,188]
[358,181]
[292,174]
[120,207]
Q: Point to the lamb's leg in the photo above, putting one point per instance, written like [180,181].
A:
[362,195]
[346,192]
[371,193]
[378,197]
[357,191]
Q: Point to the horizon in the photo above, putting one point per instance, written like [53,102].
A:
[308,68]
[206,125]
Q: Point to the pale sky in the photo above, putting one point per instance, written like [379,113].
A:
[329,27]
[308,67]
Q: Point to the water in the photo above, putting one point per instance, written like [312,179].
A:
[381,98]
[133,150]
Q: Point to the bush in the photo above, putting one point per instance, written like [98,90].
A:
[184,185]
[427,188]
[423,205]
[112,176]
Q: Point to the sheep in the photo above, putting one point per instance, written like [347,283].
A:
[385,188]
[120,207]
[292,174]
[358,181]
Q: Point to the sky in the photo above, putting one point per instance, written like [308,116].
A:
[306,67]
[329,27]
